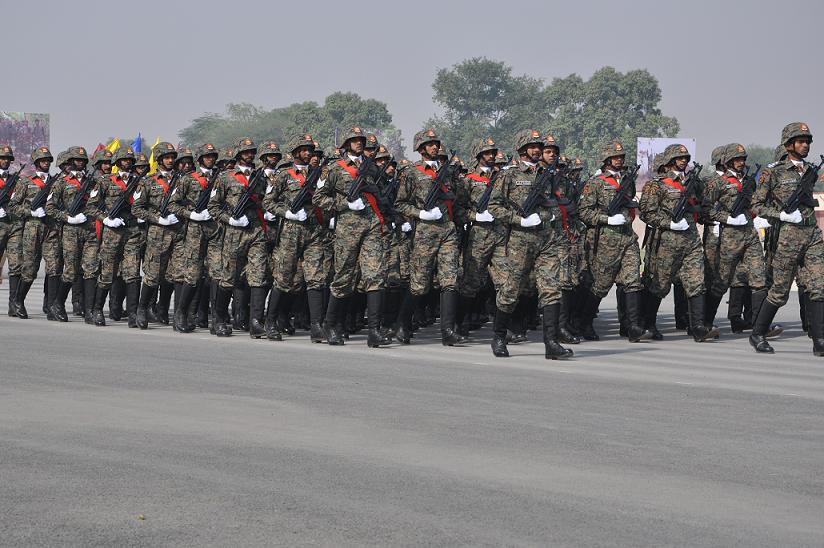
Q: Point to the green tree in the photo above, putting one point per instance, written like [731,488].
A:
[757,154]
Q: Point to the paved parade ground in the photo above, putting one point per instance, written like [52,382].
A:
[116,437]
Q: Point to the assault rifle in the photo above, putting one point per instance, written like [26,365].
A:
[537,196]
[362,184]
[8,188]
[625,196]
[121,203]
[80,198]
[440,178]
[689,191]
[309,186]
[206,193]
[164,206]
[744,198]
[803,193]
[40,198]
[246,199]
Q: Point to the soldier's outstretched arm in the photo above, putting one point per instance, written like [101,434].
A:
[760,201]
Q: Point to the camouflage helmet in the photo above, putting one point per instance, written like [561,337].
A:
[6,152]
[331,152]
[185,152]
[353,132]
[141,159]
[528,137]
[793,130]
[371,141]
[286,161]
[480,146]
[77,153]
[269,148]
[424,136]
[62,158]
[717,154]
[243,145]
[41,153]
[383,152]
[101,156]
[226,154]
[206,149]
[300,140]
[563,161]
[122,153]
[549,141]
[576,165]
[164,148]
[780,153]
[670,153]
[613,148]
[733,151]
[443,152]
[501,159]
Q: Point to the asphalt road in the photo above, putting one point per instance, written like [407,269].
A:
[236,442]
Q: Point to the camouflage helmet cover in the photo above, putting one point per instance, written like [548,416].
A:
[527,137]
[243,145]
[6,152]
[613,148]
[670,153]
[205,149]
[77,152]
[353,132]
[62,158]
[549,141]
[269,148]
[780,153]
[101,156]
[122,153]
[371,141]
[164,148]
[383,152]
[301,140]
[141,159]
[793,130]
[185,152]
[41,153]
[286,161]
[717,155]
[424,136]
[486,144]
[733,151]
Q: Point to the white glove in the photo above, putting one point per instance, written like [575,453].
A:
[484,217]
[168,220]
[300,215]
[794,217]
[141,221]
[617,219]
[761,222]
[716,229]
[357,205]
[242,222]
[78,219]
[39,212]
[406,227]
[202,216]
[321,183]
[332,223]
[269,216]
[532,220]
[680,225]
[741,220]
[113,223]
[2,212]
[433,214]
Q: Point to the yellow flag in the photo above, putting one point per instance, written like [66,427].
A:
[111,147]
[152,161]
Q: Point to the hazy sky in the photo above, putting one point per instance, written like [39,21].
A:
[729,70]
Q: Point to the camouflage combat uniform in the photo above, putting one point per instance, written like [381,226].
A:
[11,234]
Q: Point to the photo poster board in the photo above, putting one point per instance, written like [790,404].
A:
[24,132]
[649,147]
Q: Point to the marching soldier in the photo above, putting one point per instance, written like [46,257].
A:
[674,251]
[79,238]
[435,237]
[11,230]
[358,244]
[796,244]
[243,253]
[532,245]
[616,257]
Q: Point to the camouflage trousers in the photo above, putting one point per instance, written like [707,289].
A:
[303,255]
[675,256]
[530,251]
[434,253]
[617,261]
[484,255]
[80,247]
[40,241]
[398,251]
[243,254]
[359,254]
[739,256]
[799,251]
[570,258]
[11,240]
[189,252]
[120,250]
[159,243]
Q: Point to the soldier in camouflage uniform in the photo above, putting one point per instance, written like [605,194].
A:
[358,245]
[189,252]
[674,251]
[616,258]
[303,250]
[11,230]
[39,232]
[122,238]
[243,253]
[162,228]
[435,237]
[532,245]
[79,237]
[486,240]
[796,241]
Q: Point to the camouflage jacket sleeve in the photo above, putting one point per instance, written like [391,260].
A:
[181,202]
[404,203]
[217,199]
[332,196]
[275,200]
[499,204]
[651,208]
[97,199]
[56,202]
[141,207]
[20,200]
[590,209]
[762,203]
[460,205]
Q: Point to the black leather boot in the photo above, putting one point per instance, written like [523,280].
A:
[735,310]
[331,325]
[52,283]
[553,349]
[23,288]
[58,306]
[14,283]
[816,311]
[700,331]
[763,318]
[100,295]
[651,303]
[757,298]
[590,311]
[146,294]
[77,297]
[403,331]
[449,305]
[132,298]
[257,300]
[221,312]
[499,327]
[89,291]
[47,285]
[635,327]
[679,297]
[186,293]
[711,304]
[621,306]
[271,325]
[564,334]
[375,338]
[116,294]
[314,298]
